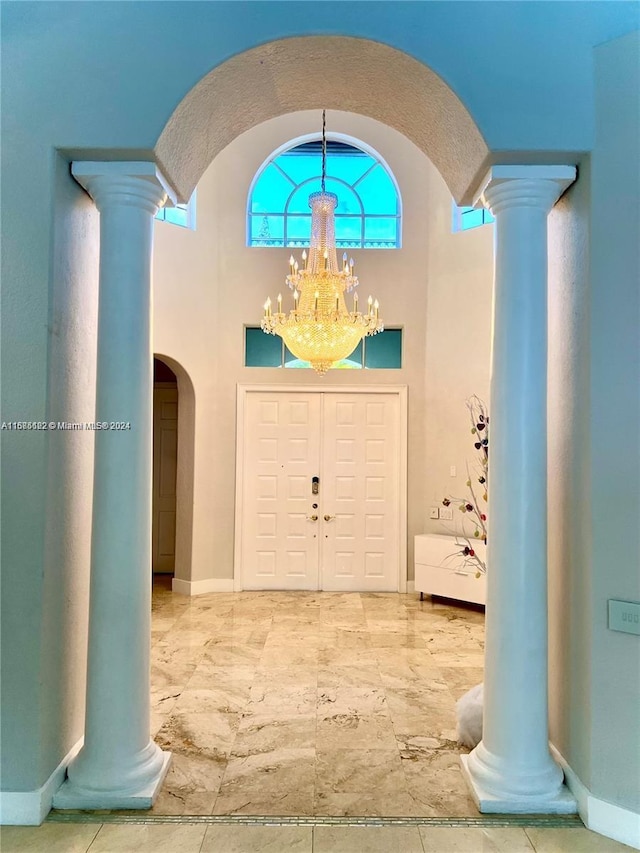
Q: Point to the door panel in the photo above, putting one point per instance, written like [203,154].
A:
[360,546]
[282,454]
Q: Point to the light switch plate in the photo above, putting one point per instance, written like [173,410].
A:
[624,616]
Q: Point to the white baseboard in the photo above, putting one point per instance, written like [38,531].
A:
[202,587]
[29,808]
[411,586]
[598,815]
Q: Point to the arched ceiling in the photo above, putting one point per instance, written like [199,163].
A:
[322,72]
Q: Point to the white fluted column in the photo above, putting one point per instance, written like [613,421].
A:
[119,765]
[511,770]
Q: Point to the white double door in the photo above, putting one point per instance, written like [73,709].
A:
[344,533]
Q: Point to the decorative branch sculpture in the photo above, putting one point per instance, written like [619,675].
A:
[474,506]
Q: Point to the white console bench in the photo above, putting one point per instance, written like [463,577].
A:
[440,569]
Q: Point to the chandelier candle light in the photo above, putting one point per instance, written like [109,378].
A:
[320,329]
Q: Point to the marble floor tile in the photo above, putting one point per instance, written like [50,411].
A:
[148,838]
[227,700]
[251,839]
[353,731]
[394,641]
[52,837]
[267,733]
[300,676]
[271,803]
[289,656]
[195,774]
[462,658]
[209,677]
[232,654]
[343,771]
[425,697]
[364,804]
[207,734]
[434,781]
[180,802]
[349,676]
[550,840]
[269,697]
[440,727]
[460,679]
[366,839]
[347,656]
[406,675]
[445,641]
[439,839]
[340,701]
[283,771]
[403,656]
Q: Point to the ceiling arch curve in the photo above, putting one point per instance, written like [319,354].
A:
[322,72]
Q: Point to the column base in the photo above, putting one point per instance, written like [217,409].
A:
[72,796]
[563,802]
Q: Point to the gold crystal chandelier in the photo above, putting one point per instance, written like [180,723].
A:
[320,329]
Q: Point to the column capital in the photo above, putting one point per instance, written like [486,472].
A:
[133,183]
[523,186]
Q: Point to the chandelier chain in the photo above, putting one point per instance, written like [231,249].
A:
[324,148]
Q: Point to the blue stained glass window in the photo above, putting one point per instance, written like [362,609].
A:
[278,209]
[271,194]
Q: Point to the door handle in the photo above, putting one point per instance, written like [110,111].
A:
[312,518]
[329,517]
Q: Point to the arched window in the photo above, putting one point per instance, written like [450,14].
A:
[368,214]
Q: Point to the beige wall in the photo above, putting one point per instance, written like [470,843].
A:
[594,456]
[208,285]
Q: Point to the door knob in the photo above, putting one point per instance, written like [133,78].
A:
[312,518]
[329,517]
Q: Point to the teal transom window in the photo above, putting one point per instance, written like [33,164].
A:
[368,212]
[383,350]
[464,218]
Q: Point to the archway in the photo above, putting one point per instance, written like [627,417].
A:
[184,471]
[509,772]
[383,83]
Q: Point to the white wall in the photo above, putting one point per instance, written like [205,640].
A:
[208,285]
[594,454]
[615,419]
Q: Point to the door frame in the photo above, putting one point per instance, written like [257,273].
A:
[402,459]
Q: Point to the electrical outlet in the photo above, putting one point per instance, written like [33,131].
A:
[624,616]
[434,512]
[446,513]
[453,471]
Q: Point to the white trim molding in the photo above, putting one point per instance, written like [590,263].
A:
[183,587]
[29,808]
[598,815]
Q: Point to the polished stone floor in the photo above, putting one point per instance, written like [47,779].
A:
[277,703]
[307,704]
[199,838]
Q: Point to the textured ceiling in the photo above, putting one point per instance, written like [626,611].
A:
[320,72]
